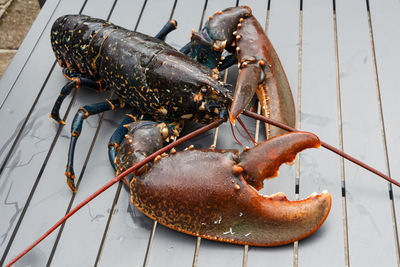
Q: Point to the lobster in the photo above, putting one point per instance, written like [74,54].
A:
[225,179]
[165,86]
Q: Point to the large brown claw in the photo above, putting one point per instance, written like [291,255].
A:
[203,193]
[272,87]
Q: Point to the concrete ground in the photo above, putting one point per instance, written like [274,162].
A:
[16,18]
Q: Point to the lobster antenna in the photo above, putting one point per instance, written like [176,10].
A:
[245,129]
[230,124]
[239,132]
[116,179]
[327,146]
[234,136]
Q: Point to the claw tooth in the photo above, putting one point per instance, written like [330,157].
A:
[173,151]
[313,194]
[277,196]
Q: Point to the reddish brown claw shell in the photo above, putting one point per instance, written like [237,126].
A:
[246,86]
[271,86]
[263,161]
[195,192]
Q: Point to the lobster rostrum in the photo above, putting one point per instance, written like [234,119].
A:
[209,193]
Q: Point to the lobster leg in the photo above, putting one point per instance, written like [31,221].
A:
[118,136]
[185,49]
[75,82]
[76,129]
[168,27]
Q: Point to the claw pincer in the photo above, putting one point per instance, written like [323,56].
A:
[208,193]
[260,70]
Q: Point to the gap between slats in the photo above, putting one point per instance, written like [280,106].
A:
[383,130]
[340,131]
[298,120]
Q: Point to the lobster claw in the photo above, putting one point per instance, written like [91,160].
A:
[207,193]
[260,64]
[260,70]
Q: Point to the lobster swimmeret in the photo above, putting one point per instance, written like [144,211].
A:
[208,193]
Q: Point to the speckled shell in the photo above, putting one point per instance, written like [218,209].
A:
[145,72]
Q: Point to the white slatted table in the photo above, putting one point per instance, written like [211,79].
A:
[342,66]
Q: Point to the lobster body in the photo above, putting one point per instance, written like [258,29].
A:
[145,72]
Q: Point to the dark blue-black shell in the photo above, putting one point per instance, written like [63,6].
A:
[145,72]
